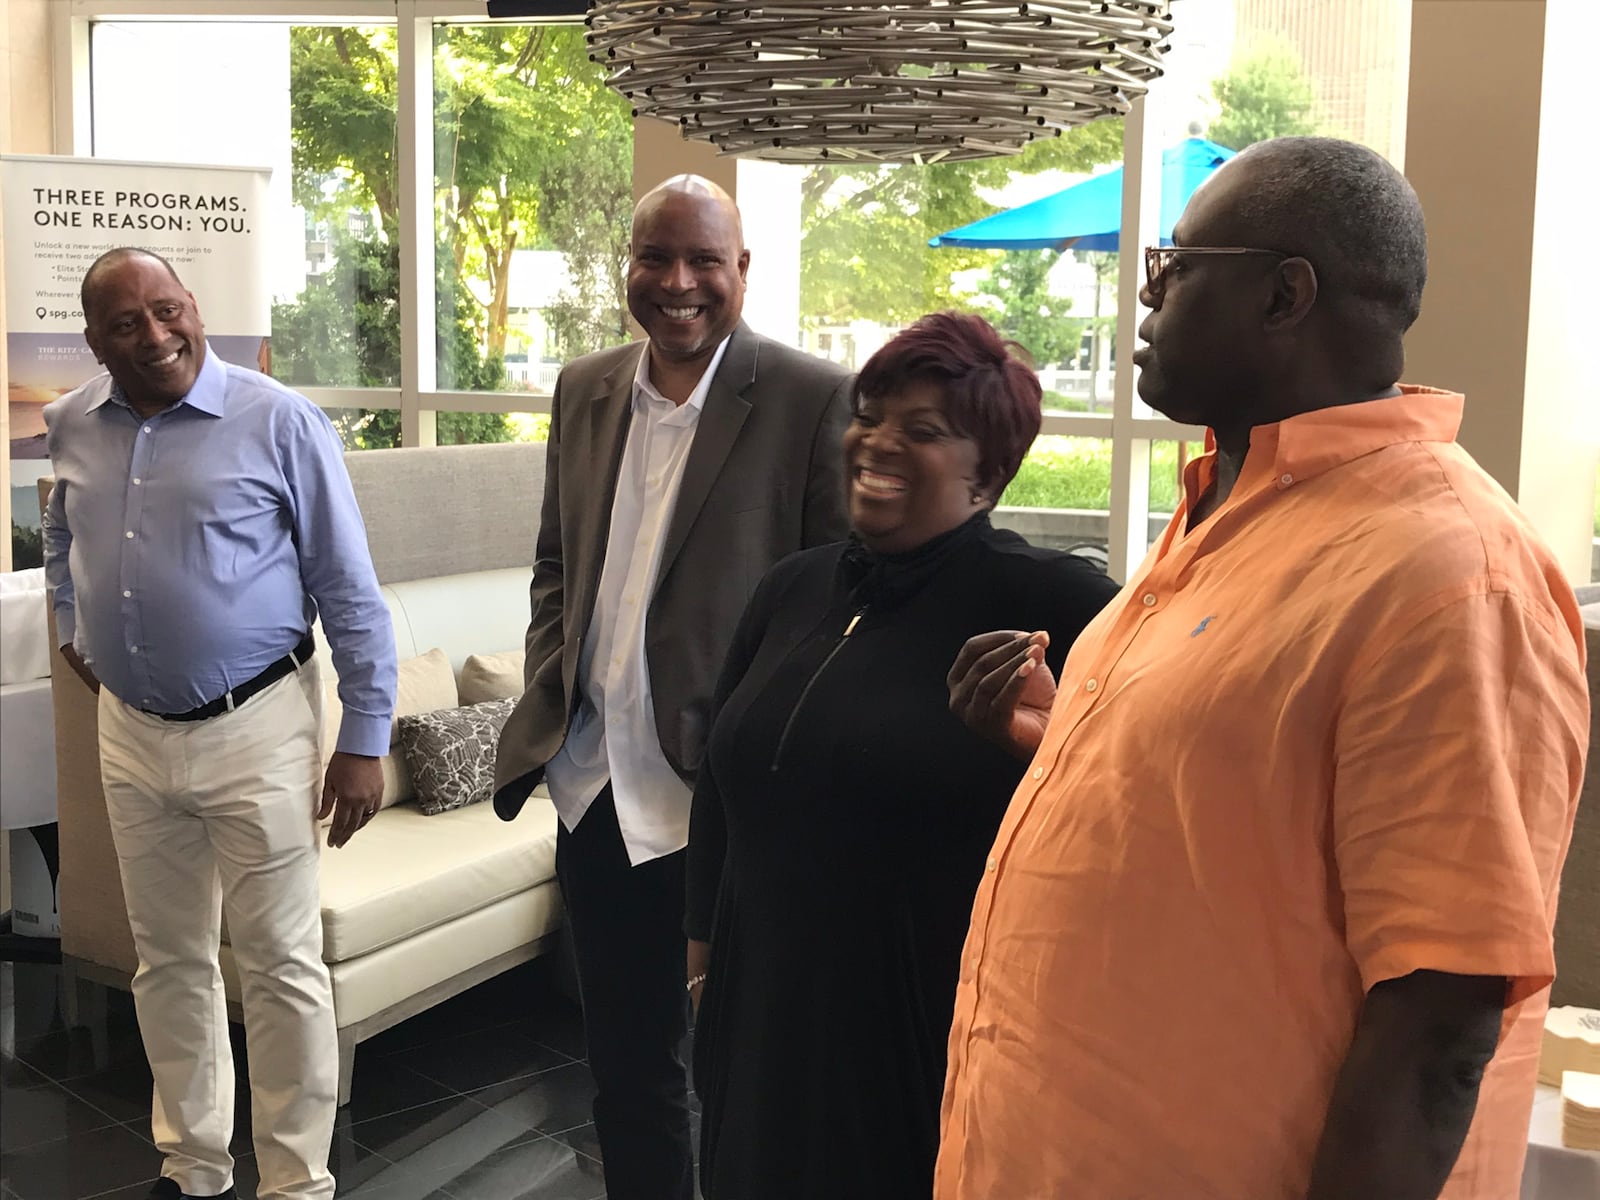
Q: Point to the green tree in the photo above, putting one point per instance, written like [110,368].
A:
[865,229]
[531,151]
[1023,309]
[1265,94]
[316,342]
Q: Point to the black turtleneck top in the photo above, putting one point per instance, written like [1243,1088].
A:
[840,825]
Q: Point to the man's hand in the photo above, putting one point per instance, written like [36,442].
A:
[1002,690]
[80,668]
[696,966]
[354,787]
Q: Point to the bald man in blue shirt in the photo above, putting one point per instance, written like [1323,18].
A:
[201,520]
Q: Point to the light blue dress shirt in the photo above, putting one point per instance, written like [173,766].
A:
[188,551]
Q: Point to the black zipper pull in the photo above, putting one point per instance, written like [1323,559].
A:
[783,738]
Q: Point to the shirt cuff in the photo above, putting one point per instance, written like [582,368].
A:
[363,734]
[66,626]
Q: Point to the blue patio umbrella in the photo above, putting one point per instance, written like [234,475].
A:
[1088,215]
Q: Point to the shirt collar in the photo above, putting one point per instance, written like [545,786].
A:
[1305,446]
[207,394]
[644,390]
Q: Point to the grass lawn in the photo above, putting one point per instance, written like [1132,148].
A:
[1075,472]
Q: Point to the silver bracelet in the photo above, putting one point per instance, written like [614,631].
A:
[695,982]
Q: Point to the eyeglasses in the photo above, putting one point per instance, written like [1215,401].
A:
[1157,260]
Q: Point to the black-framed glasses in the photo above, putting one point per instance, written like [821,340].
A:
[1157,259]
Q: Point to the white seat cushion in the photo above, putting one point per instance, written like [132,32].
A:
[24,640]
[406,873]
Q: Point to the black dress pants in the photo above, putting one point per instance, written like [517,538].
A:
[626,924]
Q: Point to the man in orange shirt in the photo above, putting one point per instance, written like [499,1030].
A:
[1279,882]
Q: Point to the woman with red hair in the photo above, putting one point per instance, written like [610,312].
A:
[843,813]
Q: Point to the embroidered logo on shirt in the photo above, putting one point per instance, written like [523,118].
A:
[1201,628]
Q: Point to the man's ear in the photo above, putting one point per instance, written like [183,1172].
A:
[744,263]
[94,344]
[1294,292]
[195,304]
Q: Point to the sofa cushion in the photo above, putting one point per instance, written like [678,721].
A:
[450,753]
[466,614]
[24,637]
[405,873]
[492,677]
[426,683]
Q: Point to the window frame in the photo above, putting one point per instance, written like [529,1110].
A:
[1130,427]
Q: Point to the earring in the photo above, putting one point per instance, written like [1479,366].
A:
[977,497]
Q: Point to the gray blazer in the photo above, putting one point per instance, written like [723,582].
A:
[764,478]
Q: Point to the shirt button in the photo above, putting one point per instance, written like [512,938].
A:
[1091,686]
[147,429]
[133,649]
[991,863]
[1149,599]
[1285,480]
[1038,772]
[137,481]
[128,534]
[126,595]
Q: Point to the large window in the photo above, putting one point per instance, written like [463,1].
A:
[270,95]
[533,185]
[454,196]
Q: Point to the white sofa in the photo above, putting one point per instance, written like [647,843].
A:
[415,908]
[27,753]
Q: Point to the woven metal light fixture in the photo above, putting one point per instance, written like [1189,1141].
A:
[904,80]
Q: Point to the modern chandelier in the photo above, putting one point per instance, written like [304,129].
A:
[903,80]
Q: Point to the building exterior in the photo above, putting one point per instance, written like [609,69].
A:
[1356,54]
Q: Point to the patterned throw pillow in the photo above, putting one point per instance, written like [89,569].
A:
[451,753]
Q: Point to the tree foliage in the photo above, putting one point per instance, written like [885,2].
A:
[1023,309]
[1265,94]
[530,151]
[344,331]
[865,229]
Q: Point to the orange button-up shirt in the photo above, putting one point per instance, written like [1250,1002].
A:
[1332,735]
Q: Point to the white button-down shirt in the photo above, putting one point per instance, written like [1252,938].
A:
[613,735]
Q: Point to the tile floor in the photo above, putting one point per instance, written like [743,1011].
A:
[462,1101]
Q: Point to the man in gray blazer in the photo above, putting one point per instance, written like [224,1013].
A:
[680,468]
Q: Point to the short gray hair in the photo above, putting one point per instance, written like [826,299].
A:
[1351,213]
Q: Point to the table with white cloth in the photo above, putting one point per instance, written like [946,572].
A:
[28,752]
[1554,1172]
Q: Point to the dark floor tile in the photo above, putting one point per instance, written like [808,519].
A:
[475,1060]
[461,1014]
[29,1116]
[537,1170]
[384,1085]
[82,1164]
[583,1139]
[554,1021]
[16,1074]
[134,1191]
[122,1092]
[67,1054]
[551,1102]
[447,1133]
[508,998]
[395,1182]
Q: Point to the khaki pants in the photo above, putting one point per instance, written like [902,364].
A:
[222,813]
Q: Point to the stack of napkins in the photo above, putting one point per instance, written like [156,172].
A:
[1580,1110]
[1571,1043]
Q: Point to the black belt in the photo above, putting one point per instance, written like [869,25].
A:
[287,665]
